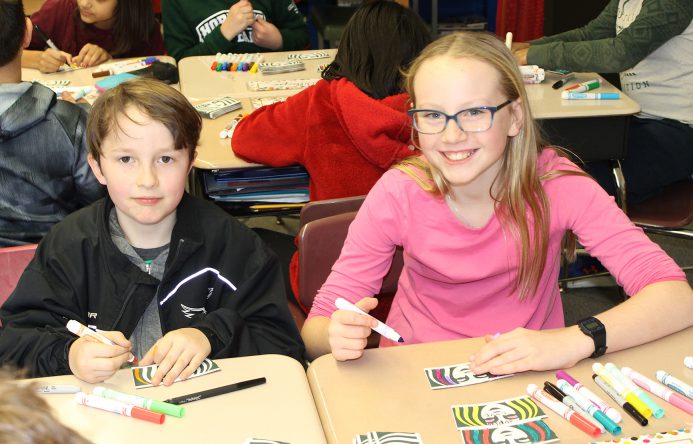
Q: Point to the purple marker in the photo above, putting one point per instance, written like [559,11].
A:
[612,413]
[560,374]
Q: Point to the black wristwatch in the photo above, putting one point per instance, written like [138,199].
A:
[593,328]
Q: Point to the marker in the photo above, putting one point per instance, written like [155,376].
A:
[149,404]
[585,86]
[83,92]
[675,384]
[563,81]
[659,390]
[688,362]
[381,328]
[590,408]
[120,408]
[657,411]
[569,95]
[81,330]
[622,390]
[570,402]
[575,418]
[45,37]
[592,397]
[57,389]
[216,391]
[509,40]
[625,405]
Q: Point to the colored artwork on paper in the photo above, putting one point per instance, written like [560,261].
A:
[456,375]
[388,438]
[493,414]
[529,432]
[143,375]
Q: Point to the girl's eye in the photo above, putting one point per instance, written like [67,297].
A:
[125,159]
[433,115]
[166,159]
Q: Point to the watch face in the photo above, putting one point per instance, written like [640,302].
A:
[591,324]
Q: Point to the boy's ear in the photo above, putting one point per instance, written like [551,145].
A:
[28,33]
[517,117]
[96,169]
[192,162]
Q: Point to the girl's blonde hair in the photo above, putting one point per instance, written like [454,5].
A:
[522,203]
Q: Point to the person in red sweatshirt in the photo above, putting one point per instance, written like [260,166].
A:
[351,126]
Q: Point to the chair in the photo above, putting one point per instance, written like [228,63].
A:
[13,261]
[318,209]
[320,242]
[669,212]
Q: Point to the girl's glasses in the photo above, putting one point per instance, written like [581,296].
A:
[471,120]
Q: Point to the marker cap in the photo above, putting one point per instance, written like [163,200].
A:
[148,415]
[169,409]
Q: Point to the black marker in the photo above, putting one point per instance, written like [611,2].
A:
[563,81]
[216,391]
[45,38]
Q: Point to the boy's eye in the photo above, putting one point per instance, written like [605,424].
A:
[125,159]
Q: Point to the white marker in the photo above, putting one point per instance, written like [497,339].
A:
[688,362]
[81,330]
[567,95]
[509,40]
[675,384]
[381,328]
[57,389]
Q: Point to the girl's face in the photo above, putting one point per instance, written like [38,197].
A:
[469,161]
[99,13]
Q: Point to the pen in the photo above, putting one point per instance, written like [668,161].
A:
[569,95]
[563,81]
[570,402]
[622,390]
[592,397]
[57,389]
[45,38]
[381,328]
[81,330]
[675,384]
[216,391]
[145,403]
[625,405]
[585,86]
[590,408]
[657,411]
[659,390]
[575,418]
[120,408]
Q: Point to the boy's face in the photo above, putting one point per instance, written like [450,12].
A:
[144,174]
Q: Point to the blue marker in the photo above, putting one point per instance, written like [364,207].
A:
[567,95]
[675,384]
[590,408]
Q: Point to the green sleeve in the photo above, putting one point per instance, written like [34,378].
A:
[592,48]
[292,26]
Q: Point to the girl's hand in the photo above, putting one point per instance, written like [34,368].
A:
[51,60]
[179,353]
[520,54]
[240,17]
[93,361]
[521,350]
[91,55]
[266,35]
[348,331]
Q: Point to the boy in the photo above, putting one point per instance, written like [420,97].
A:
[174,274]
[195,27]
[43,154]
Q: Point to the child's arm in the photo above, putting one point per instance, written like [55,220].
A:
[46,61]
[179,353]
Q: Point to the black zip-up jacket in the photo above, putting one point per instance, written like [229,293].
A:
[219,278]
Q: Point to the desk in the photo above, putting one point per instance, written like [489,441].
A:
[386,390]
[282,409]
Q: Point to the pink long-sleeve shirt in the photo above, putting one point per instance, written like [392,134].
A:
[458,282]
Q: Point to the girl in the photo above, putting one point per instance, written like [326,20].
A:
[481,215]
[349,128]
[90,32]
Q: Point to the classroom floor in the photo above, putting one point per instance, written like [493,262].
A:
[578,303]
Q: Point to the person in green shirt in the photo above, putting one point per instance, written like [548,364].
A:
[205,27]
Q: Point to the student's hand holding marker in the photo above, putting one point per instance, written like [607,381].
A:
[521,350]
[51,60]
[266,35]
[92,361]
[240,17]
[348,331]
[91,55]
[179,353]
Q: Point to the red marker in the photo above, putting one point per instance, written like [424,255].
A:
[575,418]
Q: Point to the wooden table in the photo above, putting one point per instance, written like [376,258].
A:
[387,390]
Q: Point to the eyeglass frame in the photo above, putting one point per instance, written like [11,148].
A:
[448,118]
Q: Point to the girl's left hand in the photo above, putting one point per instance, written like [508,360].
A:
[266,35]
[179,353]
[522,350]
[91,55]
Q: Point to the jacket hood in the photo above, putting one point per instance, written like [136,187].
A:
[379,129]
[29,110]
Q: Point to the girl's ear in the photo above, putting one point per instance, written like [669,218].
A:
[517,117]
[96,169]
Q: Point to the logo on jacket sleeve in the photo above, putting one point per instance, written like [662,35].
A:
[189,312]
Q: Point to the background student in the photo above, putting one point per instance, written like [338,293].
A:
[90,32]
[649,43]
[43,151]
[204,27]
[350,127]
[481,215]
[175,275]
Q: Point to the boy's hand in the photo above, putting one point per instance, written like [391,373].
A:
[91,55]
[93,361]
[179,353]
[519,51]
[348,331]
[240,17]
[51,60]
[522,349]
[266,35]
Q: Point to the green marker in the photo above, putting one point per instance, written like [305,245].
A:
[149,404]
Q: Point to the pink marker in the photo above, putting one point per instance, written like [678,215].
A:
[659,390]
[611,412]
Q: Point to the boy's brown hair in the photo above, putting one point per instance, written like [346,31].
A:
[155,99]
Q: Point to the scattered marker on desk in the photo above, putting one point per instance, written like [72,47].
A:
[57,389]
[227,132]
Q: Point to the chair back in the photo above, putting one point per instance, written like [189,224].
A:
[13,261]
[322,208]
[671,209]
[320,243]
